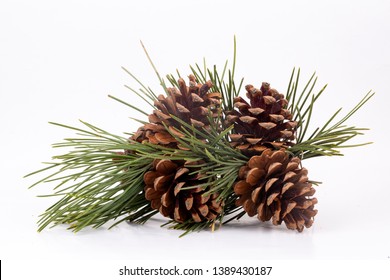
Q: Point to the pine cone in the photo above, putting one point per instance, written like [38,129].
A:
[273,185]
[190,103]
[167,189]
[264,123]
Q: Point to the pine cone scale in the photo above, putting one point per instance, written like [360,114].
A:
[241,187]
[255,195]
[189,201]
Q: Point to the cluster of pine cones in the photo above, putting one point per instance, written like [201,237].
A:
[272,184]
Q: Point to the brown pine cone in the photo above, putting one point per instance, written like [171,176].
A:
[264,123]
[167,187]
[273,185]
[192,104]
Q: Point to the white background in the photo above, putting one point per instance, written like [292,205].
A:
[60,59]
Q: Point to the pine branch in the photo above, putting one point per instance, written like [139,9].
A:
[328,139]
[95,182]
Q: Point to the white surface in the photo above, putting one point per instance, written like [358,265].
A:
[58,62]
